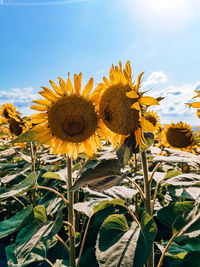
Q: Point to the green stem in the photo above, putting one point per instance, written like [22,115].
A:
[147,183]
[71,213]
[54,191]
[83,241]
[33,159]
[147,192]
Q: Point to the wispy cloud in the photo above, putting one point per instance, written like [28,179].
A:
[155,78]
[21,98]
[173,108]
[40,3]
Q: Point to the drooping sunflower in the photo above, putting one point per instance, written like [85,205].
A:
[68,121]
[179,136]
[122,106]
[8,111]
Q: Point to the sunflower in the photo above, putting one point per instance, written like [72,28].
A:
[67,120]
[122,106]
[179,135]
[154,120]
[8,111]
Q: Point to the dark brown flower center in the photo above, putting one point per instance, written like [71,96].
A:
[5,113]
[115,111]
[151,119]
[179,137]
[15,127]
[73,125]
[73,119]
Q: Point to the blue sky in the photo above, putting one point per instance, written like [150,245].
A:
[44,39]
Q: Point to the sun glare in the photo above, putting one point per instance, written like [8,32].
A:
[165,4]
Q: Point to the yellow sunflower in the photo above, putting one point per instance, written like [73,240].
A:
[152,117]
[67,119]
[122,106]
[8,111]
[179,135]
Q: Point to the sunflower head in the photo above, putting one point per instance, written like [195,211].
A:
[8,111]
[121,106]
[179,135]
[115,111]
[154,120]
[68,120]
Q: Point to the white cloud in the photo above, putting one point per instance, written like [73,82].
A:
[155,78]
[21,98]
[173,108]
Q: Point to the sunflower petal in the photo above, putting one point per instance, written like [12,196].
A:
[56,88]
[136,105]
[77,84]
[63,85]
[42,102]
[138,82]
[88,149]
[88,87]
[39,107]
[106,81]
[148,101]
[69,85]
[132,94]
[194,105]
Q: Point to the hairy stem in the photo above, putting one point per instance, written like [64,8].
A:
[49,262]
[165,249]
[147,192]
[71,213]
[154,170]
[138,187]
[54,191]
[63,243]
[83,241]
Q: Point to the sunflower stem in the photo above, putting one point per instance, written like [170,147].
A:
[33,159]
[71,213]
[147,203]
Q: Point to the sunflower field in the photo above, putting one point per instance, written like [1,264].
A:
[93,178]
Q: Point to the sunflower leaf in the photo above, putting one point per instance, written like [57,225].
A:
[148,141]
[105,175]
[28,136]
[127,149]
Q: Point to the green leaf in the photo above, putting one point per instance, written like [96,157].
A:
[127,149]
[40,213]
[148,141]
[171,174]
[86,207]
[170,213]
[191,259]
[29,237]
[20,188]
[119,246]
[52,175]
[28,136]
[11,225]
[106,203]
[88,258]
[112,229]
[105,175]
